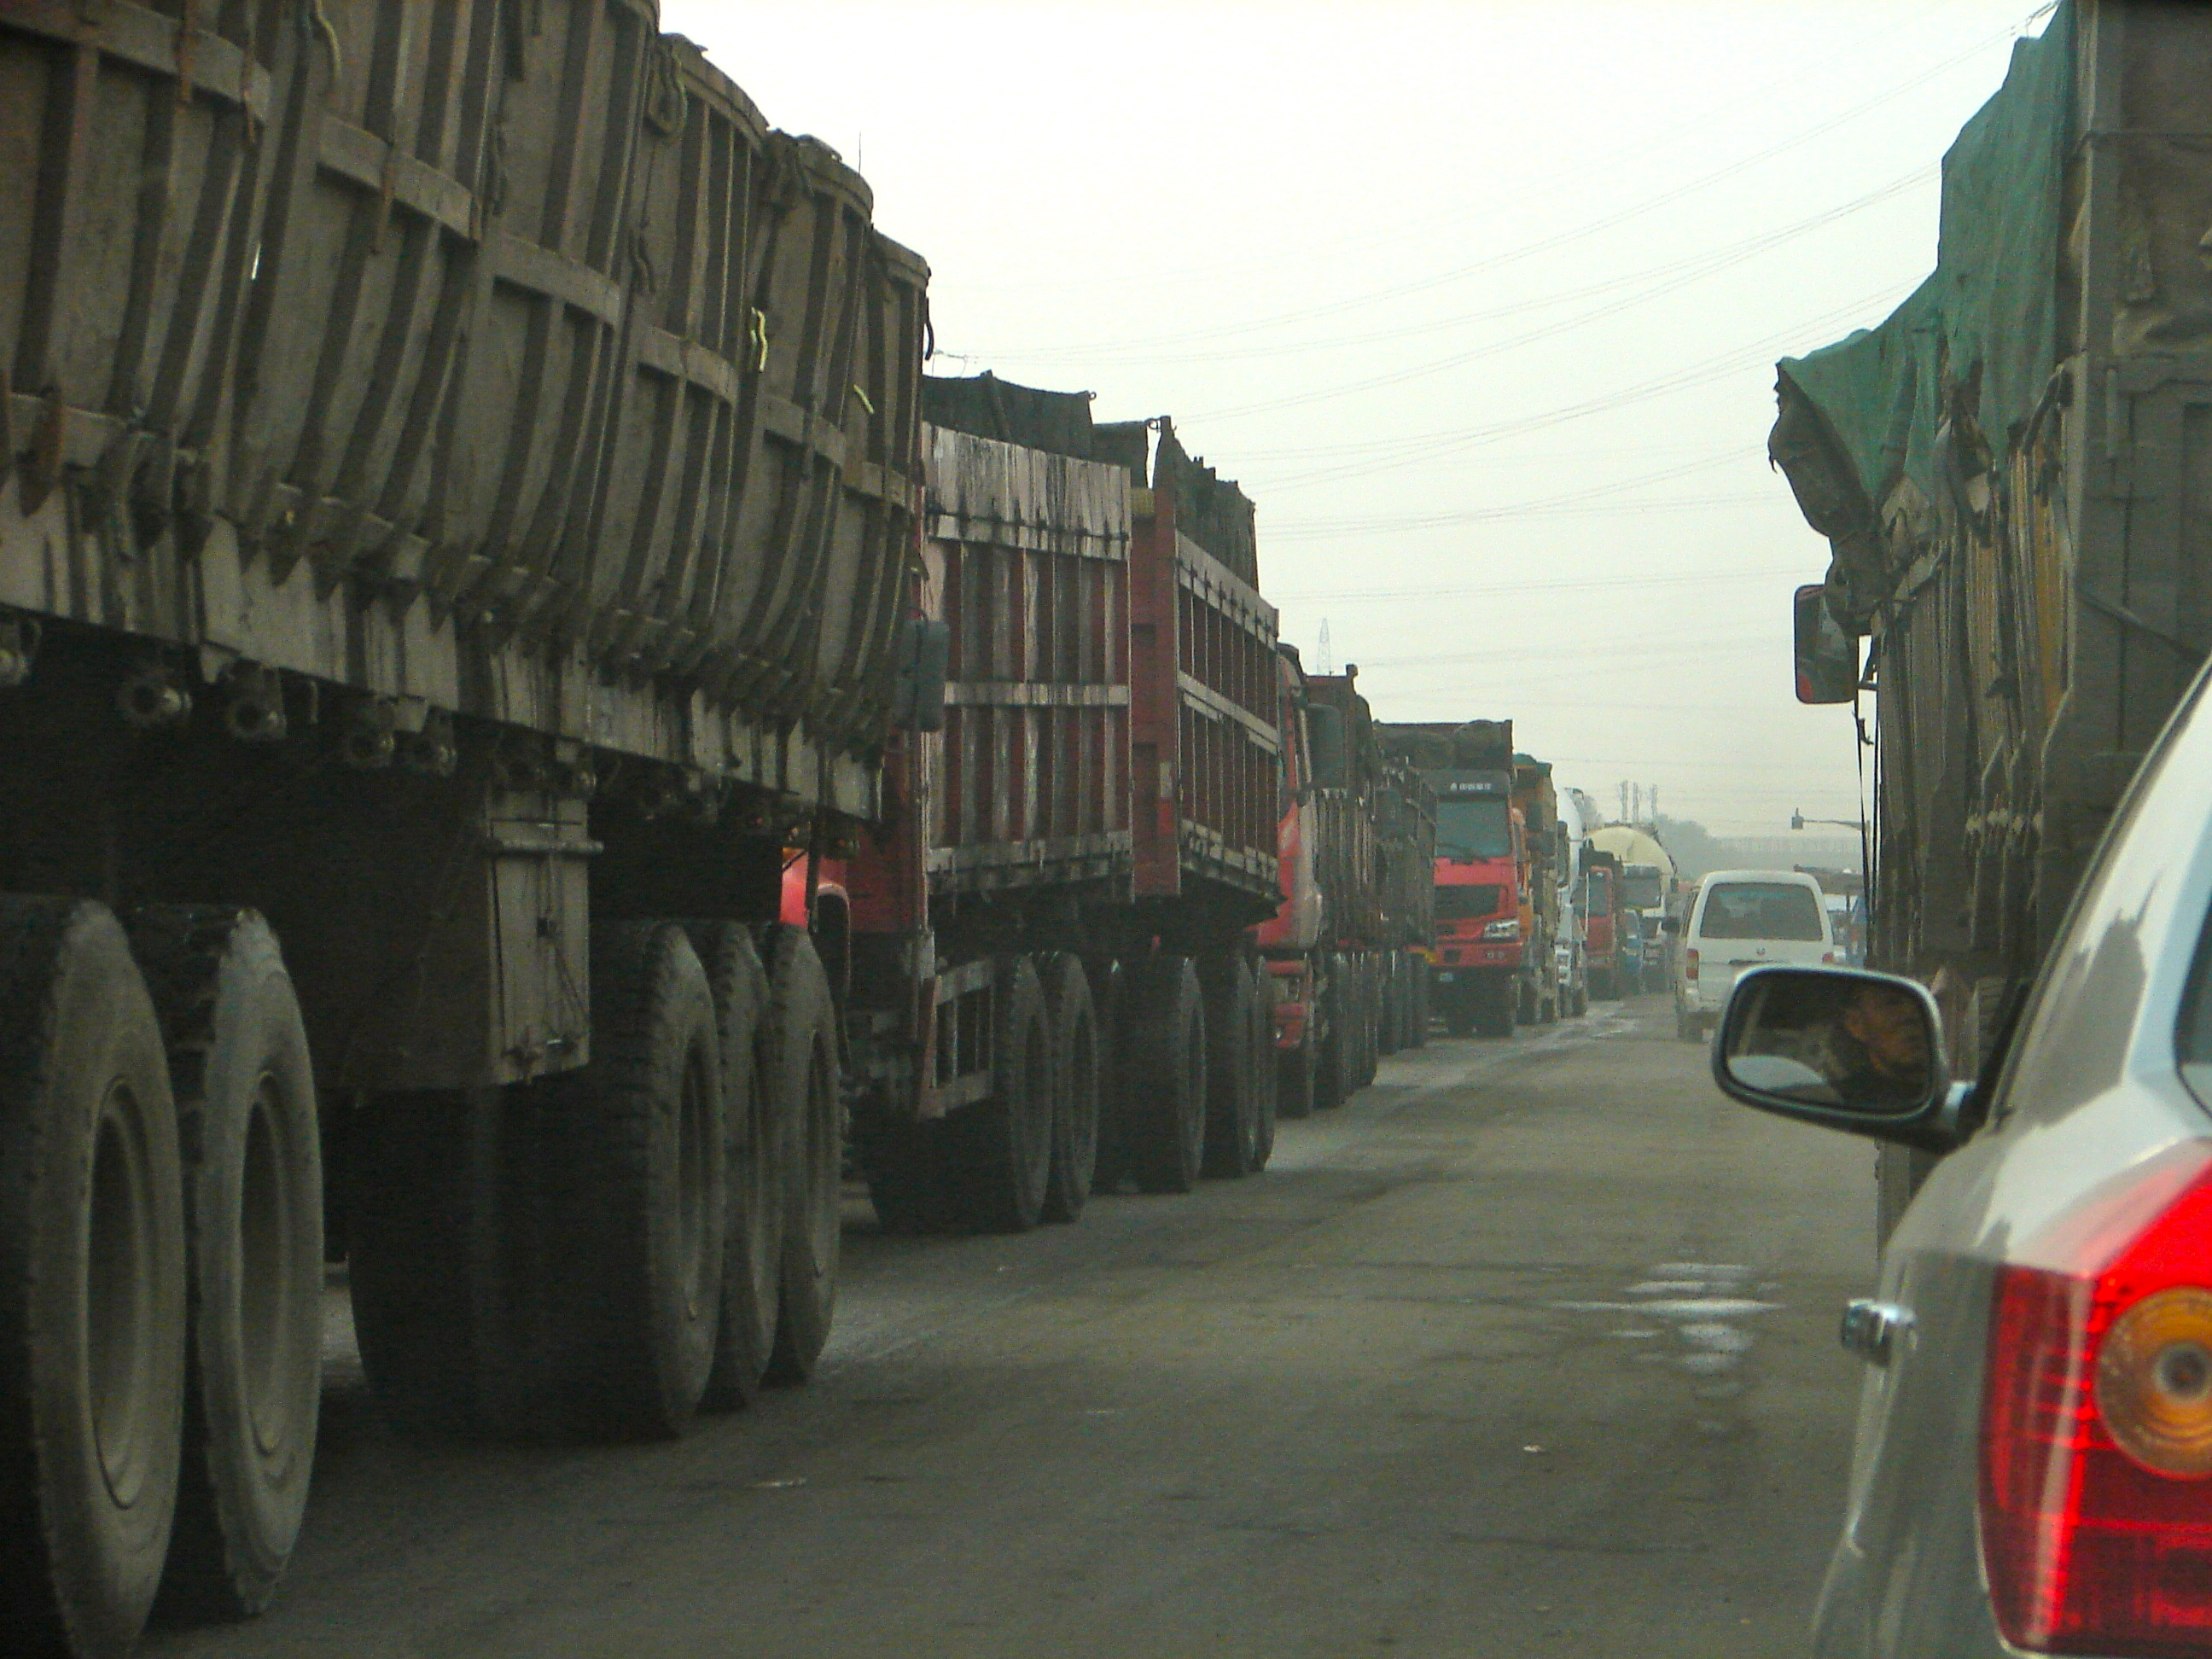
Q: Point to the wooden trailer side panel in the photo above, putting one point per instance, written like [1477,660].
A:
[1028,786]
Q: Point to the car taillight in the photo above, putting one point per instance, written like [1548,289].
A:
[1689,965]
[1828,958]
[2096,1490]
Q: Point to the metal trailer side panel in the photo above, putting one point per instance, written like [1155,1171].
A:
[519,372]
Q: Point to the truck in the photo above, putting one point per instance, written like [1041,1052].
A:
[517,731]
[1343,953]
[1647,875]
[1547,994]
[2002,470]
[1405,839]
[1491,960]
[1603,900]
[1049,931]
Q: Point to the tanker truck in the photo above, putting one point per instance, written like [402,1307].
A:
[516,732]
[1647,878]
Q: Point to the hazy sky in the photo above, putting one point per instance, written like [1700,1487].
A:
[1480,301]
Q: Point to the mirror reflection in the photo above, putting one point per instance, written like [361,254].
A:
[1829,1039]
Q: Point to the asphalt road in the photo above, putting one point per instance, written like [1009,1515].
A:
[1529,1350]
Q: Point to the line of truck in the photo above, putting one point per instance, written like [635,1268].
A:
[539,741]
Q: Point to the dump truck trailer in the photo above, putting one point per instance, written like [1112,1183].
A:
[514,736]
[2005,471]
[1049,933]
[1356,834]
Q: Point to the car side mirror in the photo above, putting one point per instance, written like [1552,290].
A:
[1842,1048]
[1670,924]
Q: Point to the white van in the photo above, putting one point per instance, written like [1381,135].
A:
[1744,919]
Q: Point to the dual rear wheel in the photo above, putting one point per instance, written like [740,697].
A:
[603,1254]
[161,1290]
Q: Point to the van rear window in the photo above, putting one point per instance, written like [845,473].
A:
[1760,909]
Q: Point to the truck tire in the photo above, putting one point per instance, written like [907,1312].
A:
[1232,1094]
[636,1166]
[245,1092]
[1164,1092]
[1363,1025]
[1417,1035]
[798,1066]
[1076,1061]
[999,1150]
[1112,1170]
[1260,1048]
[1332,1059]
[1389,1025]
[92,1283]
[758,1142]
[1501,1010]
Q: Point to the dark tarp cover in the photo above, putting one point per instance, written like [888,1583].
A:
[1209,510]
[1973,347]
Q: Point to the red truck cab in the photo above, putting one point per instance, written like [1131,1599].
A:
[1601,899]
[1481,859]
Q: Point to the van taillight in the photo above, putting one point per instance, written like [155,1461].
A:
[1689,965]
[2096,1488]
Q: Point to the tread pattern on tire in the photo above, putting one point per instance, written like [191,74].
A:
[241,1500]
[1077,1056]
[759,1144]
[630,1359]
[1163,1097]
[1233,1103]
[799,1053]
[999,1150]
[78,1572]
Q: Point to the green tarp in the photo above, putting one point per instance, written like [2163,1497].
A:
[1979,338]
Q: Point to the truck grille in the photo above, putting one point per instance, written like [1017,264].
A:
[1466,903]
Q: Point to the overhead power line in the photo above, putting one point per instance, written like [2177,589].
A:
[1414,451]
[1676,274]
[1559,239]
[1510,586]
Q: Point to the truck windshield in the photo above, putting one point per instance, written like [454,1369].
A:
[1643,886]
[1474,830]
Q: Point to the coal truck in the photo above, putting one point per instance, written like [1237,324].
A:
[2006,470]
[1491,957]
[1342,950]
[528,757]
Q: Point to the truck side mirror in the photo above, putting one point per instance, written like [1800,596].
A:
[918,693]
[1670,924]
[1828,657]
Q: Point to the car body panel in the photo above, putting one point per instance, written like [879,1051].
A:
[2091,1097]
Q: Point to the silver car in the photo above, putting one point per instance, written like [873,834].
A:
[2033,1470]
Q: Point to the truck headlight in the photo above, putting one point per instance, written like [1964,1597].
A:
[1509,929]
